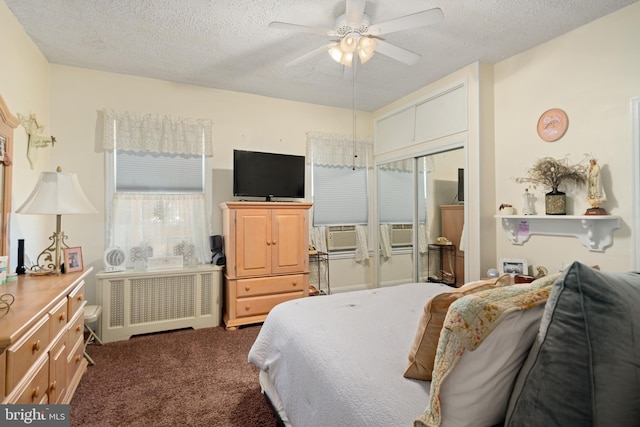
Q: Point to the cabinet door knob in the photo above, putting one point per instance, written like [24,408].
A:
[35,347]
[52,387]
[273,242]
[35,393]
[268,243]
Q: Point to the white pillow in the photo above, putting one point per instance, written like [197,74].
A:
[476,392]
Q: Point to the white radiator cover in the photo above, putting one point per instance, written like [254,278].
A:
[140,302]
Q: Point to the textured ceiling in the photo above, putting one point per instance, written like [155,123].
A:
[227,44]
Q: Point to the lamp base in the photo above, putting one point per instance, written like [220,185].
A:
[49,259]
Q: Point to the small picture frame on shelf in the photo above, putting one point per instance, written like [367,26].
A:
[73,259]
[513,266]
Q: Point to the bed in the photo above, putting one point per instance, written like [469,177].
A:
[342,360]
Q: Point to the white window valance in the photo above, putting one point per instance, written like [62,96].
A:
[153,133]
[338,150]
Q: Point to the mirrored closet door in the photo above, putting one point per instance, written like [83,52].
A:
[411,197]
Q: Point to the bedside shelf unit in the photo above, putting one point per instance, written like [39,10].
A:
[319,267]
[595,232]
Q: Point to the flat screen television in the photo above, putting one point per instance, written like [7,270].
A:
[268,175]
[460,185]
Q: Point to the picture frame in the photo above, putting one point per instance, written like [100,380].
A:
[513,266]
[73,259]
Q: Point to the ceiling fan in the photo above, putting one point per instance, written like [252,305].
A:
[357,38]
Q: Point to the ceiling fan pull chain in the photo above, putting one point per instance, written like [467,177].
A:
[353,105]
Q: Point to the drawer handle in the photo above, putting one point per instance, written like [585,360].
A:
[247,307]
[35,393]
[79,297]
[78,328]
[78,358]
[247,288]
[294,283]
[53,386]
[35,347]
[61,318]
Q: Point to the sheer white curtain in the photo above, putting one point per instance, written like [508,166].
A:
[167,222]
[345,202]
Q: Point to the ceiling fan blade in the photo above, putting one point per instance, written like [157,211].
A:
[407,22]
[309,55]
[355,10]
[302,28]
[397,53]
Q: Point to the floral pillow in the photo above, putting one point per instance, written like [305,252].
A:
[484,341]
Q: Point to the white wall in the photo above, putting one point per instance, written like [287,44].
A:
[591,73]
[24,85]
[241,121]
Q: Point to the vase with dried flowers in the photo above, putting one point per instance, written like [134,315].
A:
[552,173]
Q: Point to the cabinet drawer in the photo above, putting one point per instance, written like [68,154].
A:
[76,329]
[75,358]
[252,306]
[26,351]
[58,318]
[270,285]
[76,300]
[34,389]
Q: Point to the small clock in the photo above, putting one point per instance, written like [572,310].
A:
[552,124]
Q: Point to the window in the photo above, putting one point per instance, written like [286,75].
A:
[157,186]
[339,181]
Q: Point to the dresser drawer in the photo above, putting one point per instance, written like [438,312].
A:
[58,318]
[76,300]
[253,306]
[26,351]
[34,389]
[270,285]
[76,329]
[75,359]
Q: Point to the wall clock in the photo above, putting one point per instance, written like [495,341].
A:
[553,124]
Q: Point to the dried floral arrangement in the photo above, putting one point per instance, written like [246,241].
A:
[551,173]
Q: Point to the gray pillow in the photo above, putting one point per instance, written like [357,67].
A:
[584,366]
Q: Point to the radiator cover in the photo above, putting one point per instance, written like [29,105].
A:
[136,302]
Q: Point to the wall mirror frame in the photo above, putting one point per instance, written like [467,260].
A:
[8,122]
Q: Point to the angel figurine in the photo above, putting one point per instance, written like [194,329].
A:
[595,190]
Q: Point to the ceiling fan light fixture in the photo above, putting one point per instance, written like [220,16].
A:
[347,59]
[366,48]
[336,53]
[349,43]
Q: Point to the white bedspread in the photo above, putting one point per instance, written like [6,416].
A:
[338,360]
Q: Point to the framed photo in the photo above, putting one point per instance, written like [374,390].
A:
[513,266]
[73,259]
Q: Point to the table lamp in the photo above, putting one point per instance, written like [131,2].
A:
[58,194]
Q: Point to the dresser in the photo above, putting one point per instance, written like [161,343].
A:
[452,217]
[267,250]
[41,339]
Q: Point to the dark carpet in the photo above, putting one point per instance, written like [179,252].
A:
[180,378]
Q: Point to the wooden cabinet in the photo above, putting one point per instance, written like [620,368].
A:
[266,246]
[452,217]
[45,320]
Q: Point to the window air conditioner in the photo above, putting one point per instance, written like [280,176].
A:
[341,237]
[401,235]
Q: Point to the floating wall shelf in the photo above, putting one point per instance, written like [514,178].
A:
[594,231]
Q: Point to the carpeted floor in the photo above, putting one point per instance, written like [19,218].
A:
[181,378]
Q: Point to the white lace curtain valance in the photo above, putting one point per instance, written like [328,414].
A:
[152,133]
[338,150]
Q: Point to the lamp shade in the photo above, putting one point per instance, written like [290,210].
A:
[57,193]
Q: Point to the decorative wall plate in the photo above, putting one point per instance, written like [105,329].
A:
[553,124]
